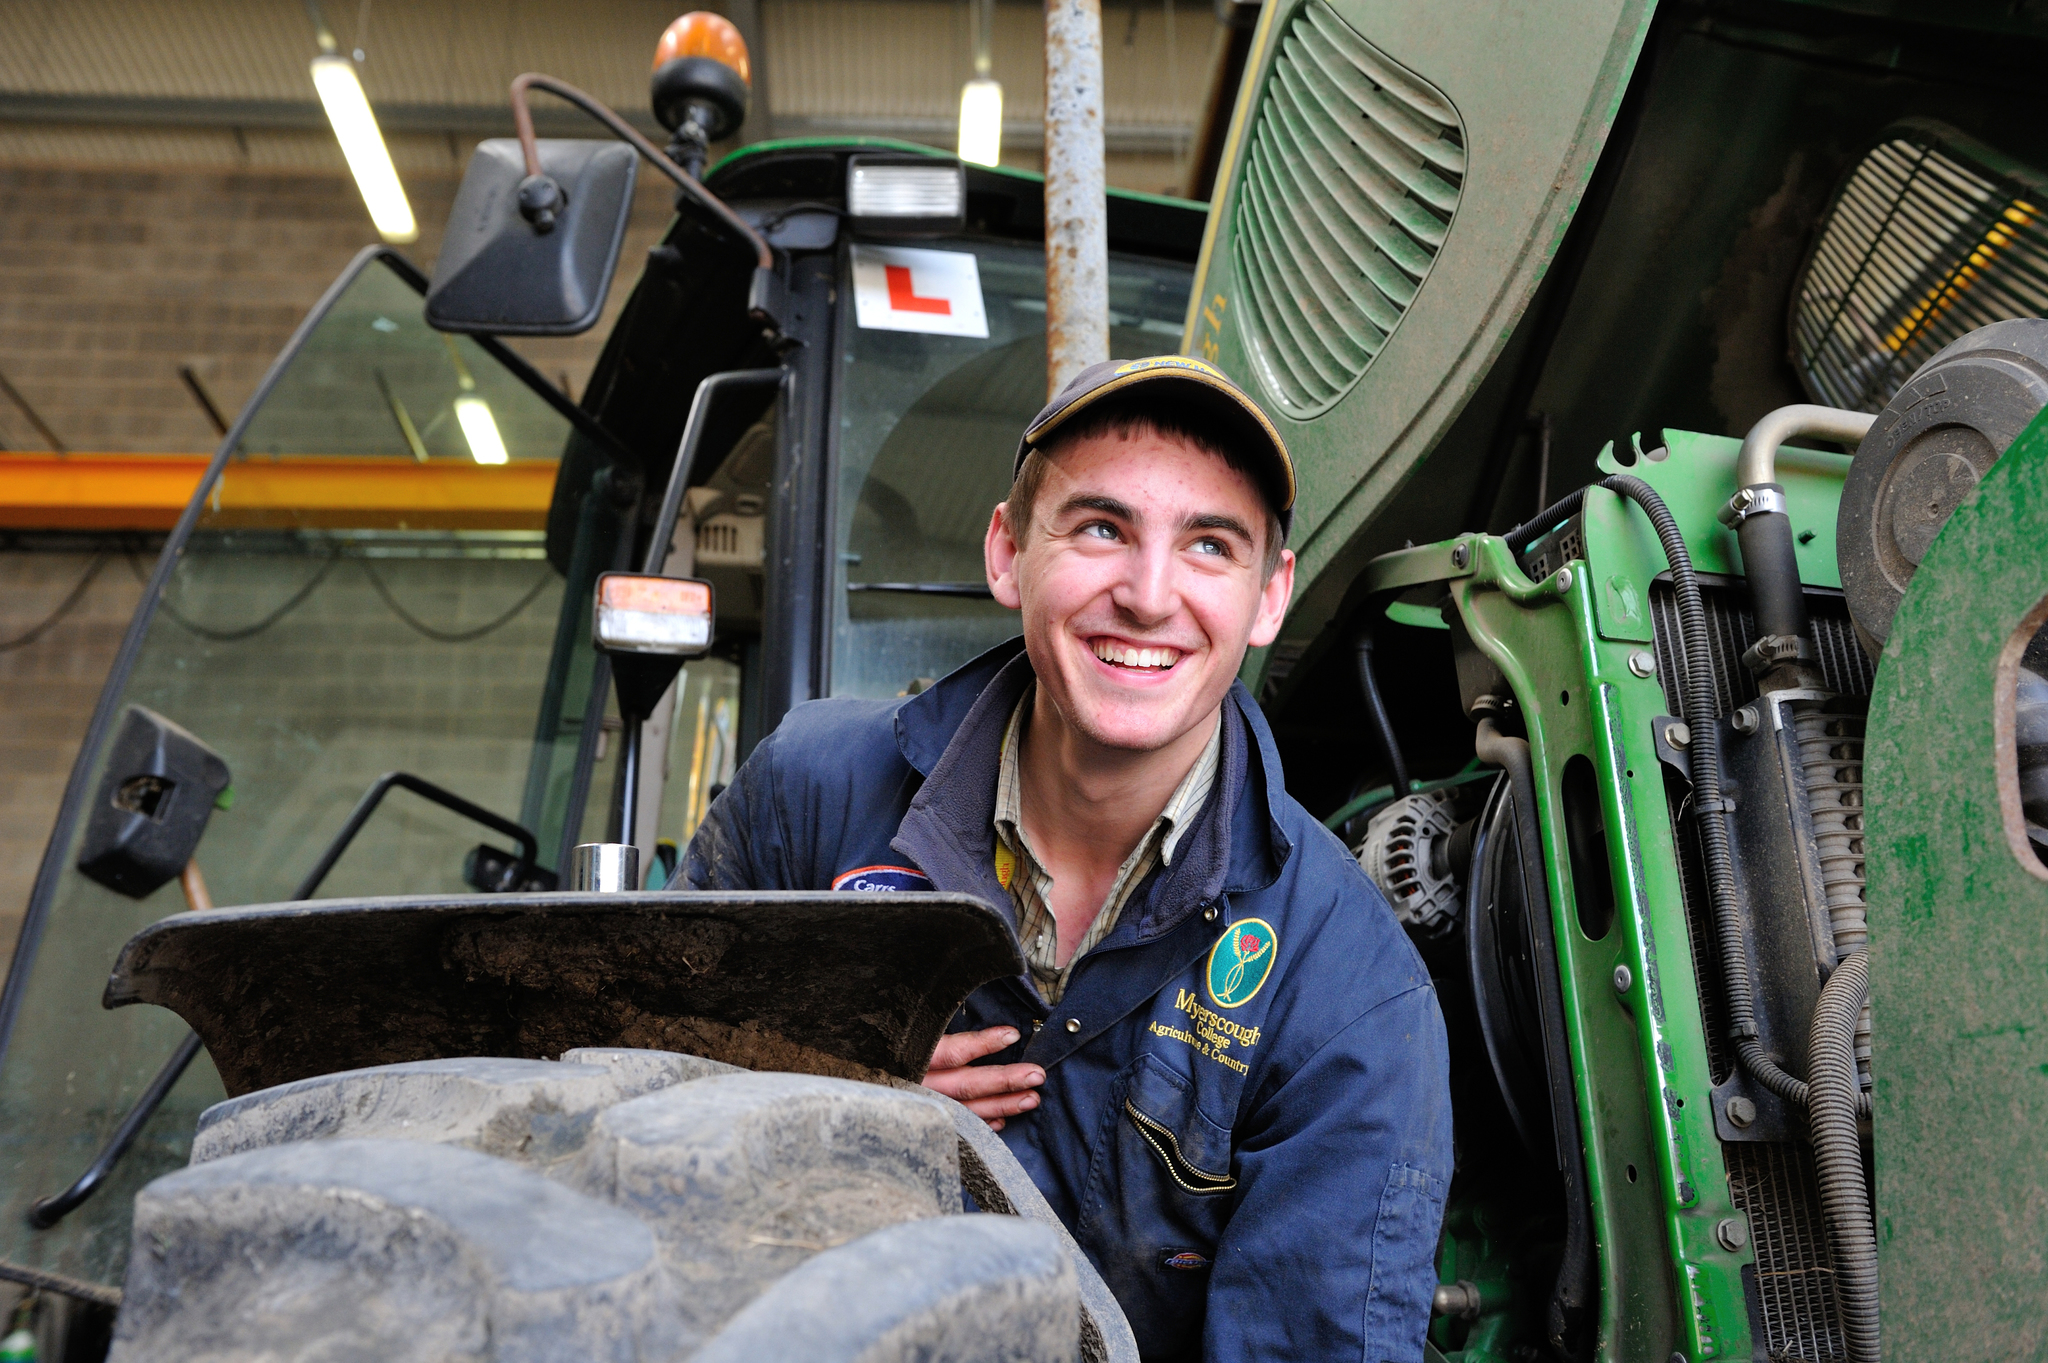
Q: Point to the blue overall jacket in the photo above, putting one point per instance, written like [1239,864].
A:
[1246,1116]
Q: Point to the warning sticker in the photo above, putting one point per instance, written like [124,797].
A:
[901,288]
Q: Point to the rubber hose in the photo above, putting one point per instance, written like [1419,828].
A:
[1377,710]
[1835,1094]
[1559,511]
[1698,698]
[1772,569]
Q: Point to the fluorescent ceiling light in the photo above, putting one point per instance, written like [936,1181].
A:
[355,127]
[981,121]
[480,430]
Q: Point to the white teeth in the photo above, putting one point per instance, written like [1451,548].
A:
[1137,657]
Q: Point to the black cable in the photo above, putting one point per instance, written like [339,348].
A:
[1710,807]
[455,636]
[230,636]
[1834,1096]
[777,218]
[1376,710]
[64,607]
[298,598]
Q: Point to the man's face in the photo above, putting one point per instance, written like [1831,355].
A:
[1139,583]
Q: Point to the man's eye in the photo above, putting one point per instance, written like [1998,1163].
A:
[1211,545]
[1101,530]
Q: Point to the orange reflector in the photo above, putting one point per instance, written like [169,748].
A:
[642,614]
[702,34]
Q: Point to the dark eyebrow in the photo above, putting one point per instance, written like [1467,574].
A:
[1108,506]
[1215,520]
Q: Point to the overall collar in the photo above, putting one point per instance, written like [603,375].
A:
[952,734]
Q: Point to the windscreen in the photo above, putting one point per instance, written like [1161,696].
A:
[366,591]
[943,368]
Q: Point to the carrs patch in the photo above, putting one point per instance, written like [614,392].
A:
[881,880]
[1240,961]
[1186,1260]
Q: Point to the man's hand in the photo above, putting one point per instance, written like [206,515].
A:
[990,1092]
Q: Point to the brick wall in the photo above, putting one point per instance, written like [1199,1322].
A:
[113,277]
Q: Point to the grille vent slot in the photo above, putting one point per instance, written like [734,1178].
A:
[1925,242]
[1354,174]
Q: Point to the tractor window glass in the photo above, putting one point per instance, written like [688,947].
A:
[928,424]
[369,589]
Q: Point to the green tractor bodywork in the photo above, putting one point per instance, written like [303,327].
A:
[1473,258]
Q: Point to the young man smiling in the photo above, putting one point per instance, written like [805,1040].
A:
[1224,1065]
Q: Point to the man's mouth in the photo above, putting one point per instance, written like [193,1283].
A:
[1137,659]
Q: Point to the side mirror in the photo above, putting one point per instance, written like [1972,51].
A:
[503,273]
[159,789]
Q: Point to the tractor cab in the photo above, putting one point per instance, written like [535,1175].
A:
[372,624]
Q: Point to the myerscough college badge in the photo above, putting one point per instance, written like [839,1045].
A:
[1241,960]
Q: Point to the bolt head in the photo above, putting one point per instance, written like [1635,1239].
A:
[1564,580]
[1741,1111]
[1643,663]
[1622,979]
[1745,720]
[1461,555]
[1678,735]
[1731,1233]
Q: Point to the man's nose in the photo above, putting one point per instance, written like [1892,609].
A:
[1148,592]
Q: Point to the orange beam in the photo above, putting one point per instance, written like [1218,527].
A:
[150,491]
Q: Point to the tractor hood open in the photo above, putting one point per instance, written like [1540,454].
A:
[1396,181]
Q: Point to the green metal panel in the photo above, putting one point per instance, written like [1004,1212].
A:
[1959,941]
[1534,89]
[1655,1168]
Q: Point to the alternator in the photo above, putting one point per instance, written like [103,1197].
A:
[1406,852]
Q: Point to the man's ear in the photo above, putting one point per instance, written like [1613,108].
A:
[999,551]
[1273,599]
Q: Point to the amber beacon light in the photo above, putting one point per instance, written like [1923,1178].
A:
[700,84]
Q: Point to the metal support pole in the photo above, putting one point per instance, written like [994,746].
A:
[1076,209]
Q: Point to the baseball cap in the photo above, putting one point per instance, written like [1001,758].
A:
[1201,395]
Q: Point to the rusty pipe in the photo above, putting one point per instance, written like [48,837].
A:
[1076,205]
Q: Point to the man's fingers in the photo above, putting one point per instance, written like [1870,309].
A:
[984,1081]
[993,1110]
[964,1048]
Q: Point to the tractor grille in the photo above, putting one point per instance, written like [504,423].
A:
[1354,173]
[1774,1184]
[1926,240]
[1731,629]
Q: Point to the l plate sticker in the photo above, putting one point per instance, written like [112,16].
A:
[903,288]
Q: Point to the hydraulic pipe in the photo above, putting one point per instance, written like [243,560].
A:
[1076,203]
[1782,656]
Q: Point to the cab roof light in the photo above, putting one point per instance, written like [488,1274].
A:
[641,613]
[906,196]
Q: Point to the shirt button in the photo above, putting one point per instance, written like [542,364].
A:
[1036,1024]
[1209,914]
[1073,1024]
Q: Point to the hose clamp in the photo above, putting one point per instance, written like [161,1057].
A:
[1757,500]
[1774,650]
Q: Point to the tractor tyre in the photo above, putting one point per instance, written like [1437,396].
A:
[616,1205]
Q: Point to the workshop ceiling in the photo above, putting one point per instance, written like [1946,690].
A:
[224,83]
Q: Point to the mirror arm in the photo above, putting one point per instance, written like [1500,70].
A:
[522,118]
